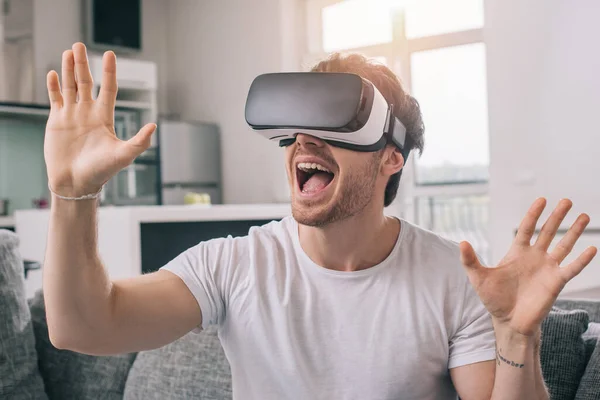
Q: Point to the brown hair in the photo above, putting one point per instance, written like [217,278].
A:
[406,108]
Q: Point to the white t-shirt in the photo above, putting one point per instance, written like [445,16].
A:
[292,329]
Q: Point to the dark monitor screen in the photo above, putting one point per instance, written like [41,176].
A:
[161,242]
[116,23]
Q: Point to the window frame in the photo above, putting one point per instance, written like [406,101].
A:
[398,53]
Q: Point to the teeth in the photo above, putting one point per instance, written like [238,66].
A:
[312,166]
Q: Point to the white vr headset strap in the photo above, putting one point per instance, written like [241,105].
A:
[396,129]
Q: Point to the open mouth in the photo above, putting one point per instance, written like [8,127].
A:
[313,177]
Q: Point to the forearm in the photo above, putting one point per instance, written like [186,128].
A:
[518,370]
[76,286]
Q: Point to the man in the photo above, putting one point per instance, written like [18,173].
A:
[338,302]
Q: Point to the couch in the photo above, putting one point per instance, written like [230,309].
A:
[195,365]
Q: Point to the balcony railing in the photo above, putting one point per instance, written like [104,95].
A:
[457,218]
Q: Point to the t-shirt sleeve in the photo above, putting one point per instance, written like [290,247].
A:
[474,339]
[210,271]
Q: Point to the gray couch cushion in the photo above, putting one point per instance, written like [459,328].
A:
[19,376]
[193,367]
[590,306]
[563,351]
[69,375]
[589,387]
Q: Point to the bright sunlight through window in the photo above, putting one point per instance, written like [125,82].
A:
[435,17]
[450,85]
[359,23]
[356,23]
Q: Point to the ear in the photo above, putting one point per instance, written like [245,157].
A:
[392,160]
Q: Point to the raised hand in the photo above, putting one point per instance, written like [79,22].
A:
[81,149]
[521,290]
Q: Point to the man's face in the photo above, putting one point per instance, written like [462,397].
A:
[327,183]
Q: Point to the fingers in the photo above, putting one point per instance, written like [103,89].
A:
[56,99]
[82,72]
[135,146]
[527,226]
[551,226]
[69,88]
[108,89]
[573,269]
[564,247]
[475,270]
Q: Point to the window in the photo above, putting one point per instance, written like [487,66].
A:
[436,47]
[436,17]
[457,218]
[450,85]
[355,23]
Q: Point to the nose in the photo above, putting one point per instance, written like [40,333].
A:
[307,140]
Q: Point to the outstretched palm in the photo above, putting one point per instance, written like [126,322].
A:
[81,149]
[521,290]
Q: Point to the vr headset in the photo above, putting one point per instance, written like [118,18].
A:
[342,109]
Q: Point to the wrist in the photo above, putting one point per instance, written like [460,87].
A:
[69,209]
[82,194]
[508,335]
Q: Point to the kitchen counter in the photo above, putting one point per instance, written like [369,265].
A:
[7,222]
[138,239]
[201,212]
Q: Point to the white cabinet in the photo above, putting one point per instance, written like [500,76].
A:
[131,74]
[16,52]
[138,83]
[119,232]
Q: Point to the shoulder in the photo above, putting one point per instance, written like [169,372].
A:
[438,270]
[271,233]
[428,246]
[434,259]
[221,254]
[258,236]
[273,229]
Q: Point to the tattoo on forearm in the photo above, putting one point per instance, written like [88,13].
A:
[511,363]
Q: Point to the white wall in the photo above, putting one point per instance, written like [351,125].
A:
[58,24]
[544,95]
[215,50]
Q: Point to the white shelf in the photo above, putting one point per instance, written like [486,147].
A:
[140,105]
[29,111]
[7,222]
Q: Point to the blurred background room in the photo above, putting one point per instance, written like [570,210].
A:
[509,91]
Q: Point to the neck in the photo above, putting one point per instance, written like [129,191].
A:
[355,243]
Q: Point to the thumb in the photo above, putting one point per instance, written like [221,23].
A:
[139,143]
[469,259]
[142,138]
